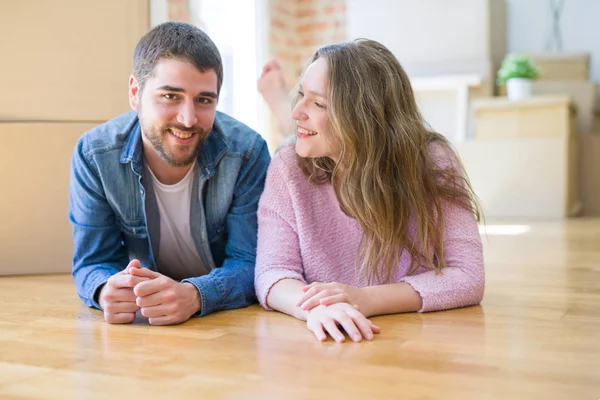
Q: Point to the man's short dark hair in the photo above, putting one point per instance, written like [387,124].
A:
[176,40]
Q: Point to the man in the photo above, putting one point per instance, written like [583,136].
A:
[163,199]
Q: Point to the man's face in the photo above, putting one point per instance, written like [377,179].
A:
[176,109]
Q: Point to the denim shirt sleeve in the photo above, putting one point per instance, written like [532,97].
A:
[232,285]
[98,253]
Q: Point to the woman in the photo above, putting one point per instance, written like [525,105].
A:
[369,212]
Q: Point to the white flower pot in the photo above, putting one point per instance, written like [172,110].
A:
[518,88]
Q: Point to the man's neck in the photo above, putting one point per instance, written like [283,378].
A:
[162,170]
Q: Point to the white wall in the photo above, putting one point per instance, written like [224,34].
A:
[423,32]
[530,22]
[430,36]
[433,38]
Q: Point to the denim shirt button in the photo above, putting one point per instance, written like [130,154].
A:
[142,192]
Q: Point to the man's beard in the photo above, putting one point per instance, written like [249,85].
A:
[156,136]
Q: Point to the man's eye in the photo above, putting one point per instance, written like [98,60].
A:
[204,100]
[170,96]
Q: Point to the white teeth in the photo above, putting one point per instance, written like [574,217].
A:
[181,135]
[306,132]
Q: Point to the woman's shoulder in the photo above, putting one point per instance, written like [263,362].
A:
[443,154]
[286,186]
[286,154]
[285,164]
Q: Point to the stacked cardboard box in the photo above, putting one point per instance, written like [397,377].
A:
[66,70]
[524,159]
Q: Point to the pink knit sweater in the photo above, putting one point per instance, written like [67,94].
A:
[303,235]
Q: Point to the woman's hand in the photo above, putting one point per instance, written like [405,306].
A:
[328,319]
[326,294]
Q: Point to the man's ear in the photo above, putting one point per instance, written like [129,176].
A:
[134,93]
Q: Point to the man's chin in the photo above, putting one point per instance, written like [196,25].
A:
[180,162]
[183,159]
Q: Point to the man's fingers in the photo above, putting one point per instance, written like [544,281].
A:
[120,294]
[166,320]
[120,307]
[121,318]
[160,310]
[148,287]
[133,264]
[144,273]
[126,280]
[149,300]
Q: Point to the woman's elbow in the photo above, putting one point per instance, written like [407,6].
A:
[477,288]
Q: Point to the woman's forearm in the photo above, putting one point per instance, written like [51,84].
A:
[284,297]
[390,299]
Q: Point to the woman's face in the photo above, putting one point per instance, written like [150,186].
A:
[314,135]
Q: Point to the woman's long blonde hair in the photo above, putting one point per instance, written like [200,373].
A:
[386,175]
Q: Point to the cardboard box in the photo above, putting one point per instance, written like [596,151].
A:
[537,116]
[68,60]
[35,233]
[525,177]
[589,170]
[524,161]
[562,66]
[582,94]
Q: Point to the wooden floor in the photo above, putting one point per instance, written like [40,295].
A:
[535,336]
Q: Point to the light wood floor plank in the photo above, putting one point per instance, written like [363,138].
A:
[535,336]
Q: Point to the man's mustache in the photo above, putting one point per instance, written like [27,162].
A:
[182,128]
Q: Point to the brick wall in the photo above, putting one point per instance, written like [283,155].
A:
[298,27]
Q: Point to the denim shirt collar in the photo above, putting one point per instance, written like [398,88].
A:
[209,154]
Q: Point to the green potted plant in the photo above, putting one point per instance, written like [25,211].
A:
[517,72]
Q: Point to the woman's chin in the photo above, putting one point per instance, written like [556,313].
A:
[305,152]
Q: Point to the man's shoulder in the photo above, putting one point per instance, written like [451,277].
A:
[238,137]
[110,135]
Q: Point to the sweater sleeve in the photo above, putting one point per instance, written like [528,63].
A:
[278,250]
[462,282]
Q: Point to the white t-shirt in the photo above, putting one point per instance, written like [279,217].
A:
[178,257]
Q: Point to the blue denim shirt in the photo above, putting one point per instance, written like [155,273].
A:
[110,197]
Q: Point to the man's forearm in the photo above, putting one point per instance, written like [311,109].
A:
[196,296]
[228,287]
[89,281]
